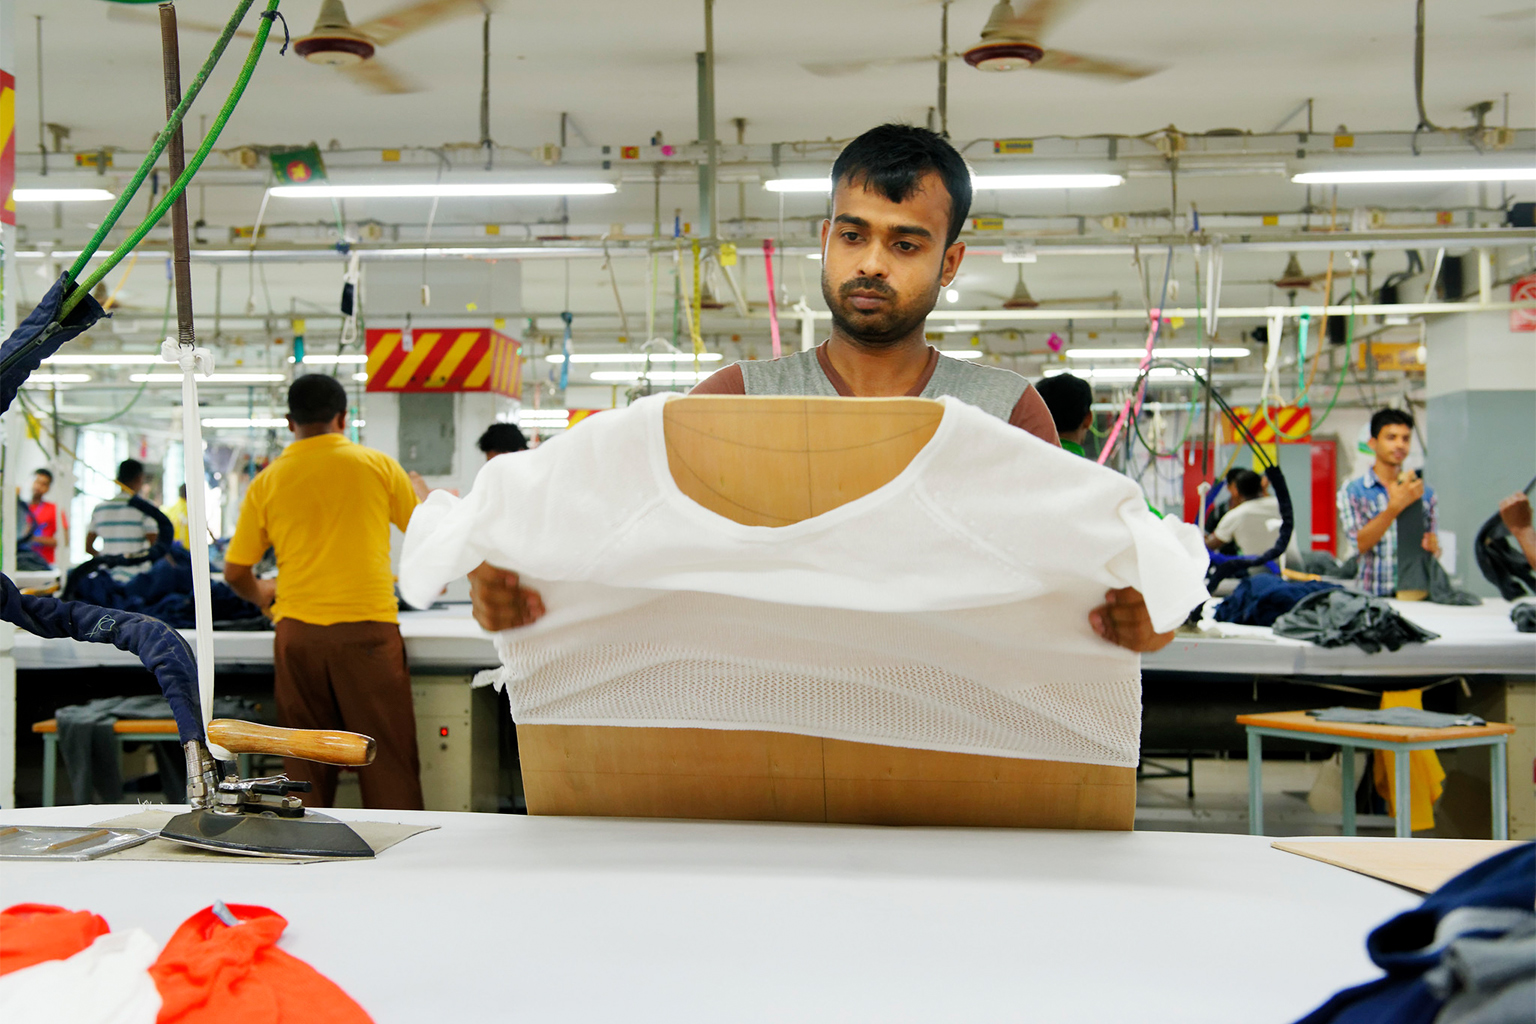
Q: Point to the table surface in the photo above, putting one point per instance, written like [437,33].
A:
[1473,640]
[1300,721]
[503,917]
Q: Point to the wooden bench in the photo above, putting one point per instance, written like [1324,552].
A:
[1399,740]
[126,731]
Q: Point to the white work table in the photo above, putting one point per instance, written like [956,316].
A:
[502,917]
[1472,640]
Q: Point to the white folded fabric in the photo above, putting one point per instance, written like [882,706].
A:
[108,982]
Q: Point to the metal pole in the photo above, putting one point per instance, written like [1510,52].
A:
[944,70]
[170,51]
[707,202]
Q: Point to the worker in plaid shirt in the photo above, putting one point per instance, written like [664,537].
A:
[1370,504]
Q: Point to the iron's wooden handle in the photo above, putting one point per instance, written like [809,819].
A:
[327,746]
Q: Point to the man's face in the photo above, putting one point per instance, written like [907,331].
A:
[40,485]
[883,263]
[1391,445]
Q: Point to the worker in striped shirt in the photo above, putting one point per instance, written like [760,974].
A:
[1370,504]
[120,528]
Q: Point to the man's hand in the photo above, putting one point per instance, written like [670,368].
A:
[500,602]
[266,591]
[1431,543]
[1405,492]
[1515,510]
[1122,619]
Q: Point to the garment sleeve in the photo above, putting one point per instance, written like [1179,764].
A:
[1227,528]
[726,381]
[95,519]
[402,496]
[1033,415]
[250,541]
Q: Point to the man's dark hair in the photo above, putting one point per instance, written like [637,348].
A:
[1384,418]
[1233,473]
[503,437]
[130,470]
[1248,484]
[44,472]
[1069,398]
[892,160]
[316,398]
[182,491]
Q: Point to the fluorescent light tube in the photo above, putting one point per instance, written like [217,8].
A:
[61,195]
[996,182]
[58,378]
[105,359]
[1001,182]
[660,376]
[798,185]
[1127,374]
[320,360]
[243,422]
[213,378]
[446,190]
[1171,353]
[1410,177]
[627,357]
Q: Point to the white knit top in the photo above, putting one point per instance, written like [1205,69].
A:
[946,610]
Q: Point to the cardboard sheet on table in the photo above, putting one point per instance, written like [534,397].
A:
[379,835]
[1422,865]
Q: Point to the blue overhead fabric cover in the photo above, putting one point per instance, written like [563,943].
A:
[1482,920]
[81,319]
[157,645]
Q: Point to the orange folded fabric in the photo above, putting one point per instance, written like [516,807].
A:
[220,974]
[33,932]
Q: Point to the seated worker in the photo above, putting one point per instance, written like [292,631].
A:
[326,506]
[1070,400]
[1515,510]
[45,540]
[121,528]
[502,438]
[1252,520]
[1370,504]
[900,197]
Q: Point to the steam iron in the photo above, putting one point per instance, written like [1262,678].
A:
[262,817]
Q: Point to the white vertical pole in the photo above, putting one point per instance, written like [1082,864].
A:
[1484,276]
[12,447]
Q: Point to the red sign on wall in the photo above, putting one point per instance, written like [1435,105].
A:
[8,153]
[1523,289]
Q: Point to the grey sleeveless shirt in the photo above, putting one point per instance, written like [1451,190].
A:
[991,389]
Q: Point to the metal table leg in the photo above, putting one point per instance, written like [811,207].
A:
[1347,765]
[50,766]
[1404,797]
[1255,783]
[1499,784]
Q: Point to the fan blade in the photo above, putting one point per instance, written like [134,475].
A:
[402,21]
[842,69]
[1037,19]
[138,17]
[376,76]
[1078,64]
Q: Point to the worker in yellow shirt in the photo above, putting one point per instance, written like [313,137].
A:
[176,512]
[326,506]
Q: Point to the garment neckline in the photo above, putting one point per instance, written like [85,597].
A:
[656,442]
[841,386]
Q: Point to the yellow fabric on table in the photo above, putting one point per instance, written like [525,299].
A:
[1425,776]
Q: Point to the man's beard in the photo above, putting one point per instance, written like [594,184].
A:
[883,327]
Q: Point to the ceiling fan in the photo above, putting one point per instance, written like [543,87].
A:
[336,42]
[1010,41]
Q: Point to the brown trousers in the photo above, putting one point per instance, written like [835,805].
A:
[351,675]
